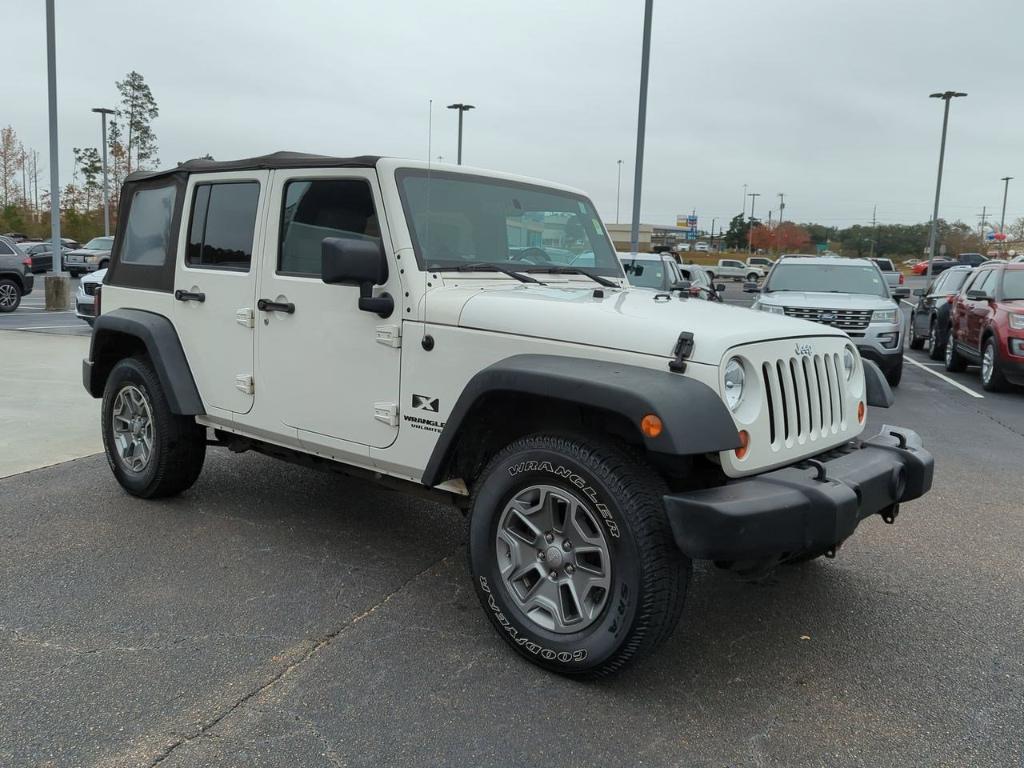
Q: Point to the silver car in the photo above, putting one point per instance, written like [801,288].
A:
[849,294]
[85,296]
[90,257]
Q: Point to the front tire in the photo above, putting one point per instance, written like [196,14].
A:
[752,277]
[572,556]
[992,377]
[893,375]
[152,452]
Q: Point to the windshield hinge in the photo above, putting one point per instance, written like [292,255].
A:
[389,335]
[683,349]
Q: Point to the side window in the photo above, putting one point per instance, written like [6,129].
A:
[940,283]
[5,249]
[315,209]
[223,223]
[147,237]
[984,281]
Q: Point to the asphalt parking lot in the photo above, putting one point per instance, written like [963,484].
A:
[32,316]
[276,616]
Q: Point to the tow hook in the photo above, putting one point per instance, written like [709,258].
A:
[889,513]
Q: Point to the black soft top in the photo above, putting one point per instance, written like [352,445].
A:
[264,162]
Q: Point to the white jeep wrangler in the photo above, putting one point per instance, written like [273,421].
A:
[471,336]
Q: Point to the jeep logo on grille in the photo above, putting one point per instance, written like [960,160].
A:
[804,349]
[827,317]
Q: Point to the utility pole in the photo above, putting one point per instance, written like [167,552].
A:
[618,191]
[782,207]
[981,227]
[462,108]
[750,230]
[1002,218]
[641,126]
[947,96]
[874,229]
[713,220]
[744,208]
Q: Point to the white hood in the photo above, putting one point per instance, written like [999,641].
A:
[630,320]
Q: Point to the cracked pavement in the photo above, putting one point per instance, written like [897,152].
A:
[276,616]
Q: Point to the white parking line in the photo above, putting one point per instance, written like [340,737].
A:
[41,327]
[946,379]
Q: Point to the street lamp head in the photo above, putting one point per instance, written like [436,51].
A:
[946,95]
[461,107]
[102,111]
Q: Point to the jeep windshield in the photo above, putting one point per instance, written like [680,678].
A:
[827,278]
[458,220]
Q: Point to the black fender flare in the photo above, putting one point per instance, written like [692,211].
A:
[161,342]
[695,419]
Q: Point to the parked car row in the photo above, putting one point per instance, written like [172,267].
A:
[662,273]
[16,278]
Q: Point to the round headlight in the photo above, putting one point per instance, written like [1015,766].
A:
[733,383]
[849,362]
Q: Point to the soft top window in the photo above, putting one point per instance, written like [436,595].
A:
[147,235]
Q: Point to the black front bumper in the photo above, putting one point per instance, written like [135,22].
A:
[812,505]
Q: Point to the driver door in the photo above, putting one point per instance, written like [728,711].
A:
[329,370]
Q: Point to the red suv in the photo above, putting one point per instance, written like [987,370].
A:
[986,326]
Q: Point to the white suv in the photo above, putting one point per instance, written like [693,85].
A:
[470,336]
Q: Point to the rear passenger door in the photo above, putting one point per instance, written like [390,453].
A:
[215,285]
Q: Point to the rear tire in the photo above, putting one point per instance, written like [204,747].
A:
[752,277]
[936,347]
[915,341]
[10,295]
[152,452]
[590,513]
[955,362]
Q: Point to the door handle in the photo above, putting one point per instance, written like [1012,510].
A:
[266,305]
[181,295]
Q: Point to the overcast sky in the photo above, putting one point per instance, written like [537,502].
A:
[825,101]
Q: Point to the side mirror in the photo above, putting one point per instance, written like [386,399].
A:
[681,285]
[720,287]
[974,295]
[918,292]
[750,287]
[357,262]
[898,294]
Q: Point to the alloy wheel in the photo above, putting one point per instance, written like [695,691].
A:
[988,363]
[8,295]
[133,428]
[554,558]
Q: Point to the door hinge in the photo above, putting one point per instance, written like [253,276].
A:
[389,335]
[244,383]
[245,317]
[387,413]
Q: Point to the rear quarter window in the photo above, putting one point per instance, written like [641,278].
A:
[147,235]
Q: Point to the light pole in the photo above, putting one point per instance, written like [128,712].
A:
[641,127]
[618,192]
[1002,219]
[103,112]
[744,207]
[750,230]
[462,108]
[713,220]
[947,96]
[60,297]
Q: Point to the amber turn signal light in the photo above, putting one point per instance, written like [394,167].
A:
[744,444]
[860,411]
[651,425]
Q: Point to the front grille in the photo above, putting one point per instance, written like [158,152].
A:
[805,397]
[90,288]
[844,319]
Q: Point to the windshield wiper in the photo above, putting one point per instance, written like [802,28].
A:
[486,266]
[575,271]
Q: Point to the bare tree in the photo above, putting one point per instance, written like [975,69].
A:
[8,165]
